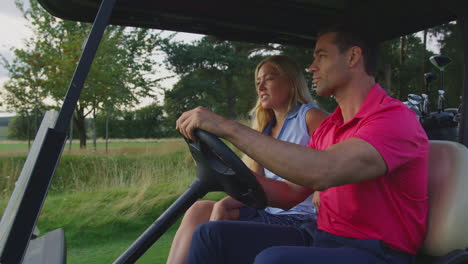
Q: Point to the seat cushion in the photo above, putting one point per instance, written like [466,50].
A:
[448,198]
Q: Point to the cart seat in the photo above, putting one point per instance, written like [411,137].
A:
[448,198]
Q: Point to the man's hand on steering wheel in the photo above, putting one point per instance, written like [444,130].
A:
[201,118]
[220,169]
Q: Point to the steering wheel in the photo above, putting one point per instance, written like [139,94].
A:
[220,169]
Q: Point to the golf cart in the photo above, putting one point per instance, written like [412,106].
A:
[288,22]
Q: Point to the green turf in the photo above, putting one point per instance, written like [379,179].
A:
[104,202]
[100,226]
[7,146]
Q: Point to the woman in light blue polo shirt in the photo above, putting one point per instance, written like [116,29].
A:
[284,110]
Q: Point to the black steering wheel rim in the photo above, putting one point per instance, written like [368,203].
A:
[222,170]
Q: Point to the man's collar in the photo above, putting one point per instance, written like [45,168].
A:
[373,98]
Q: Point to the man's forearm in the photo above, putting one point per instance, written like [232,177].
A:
[298,164]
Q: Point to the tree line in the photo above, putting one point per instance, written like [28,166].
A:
[212,72]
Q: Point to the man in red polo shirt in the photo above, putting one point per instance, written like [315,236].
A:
[369,159]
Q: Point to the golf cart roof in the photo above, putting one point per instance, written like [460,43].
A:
[293,22]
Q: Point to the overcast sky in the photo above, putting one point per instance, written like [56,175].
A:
[14,30]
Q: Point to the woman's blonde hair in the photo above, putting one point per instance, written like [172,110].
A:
[298,94]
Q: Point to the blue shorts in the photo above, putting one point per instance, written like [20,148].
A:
[250,214]
[221,241]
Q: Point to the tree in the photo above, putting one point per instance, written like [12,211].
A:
[24,93]
[21,128]
[146,122]
[220,67]
[450,39]
[424,58]
[195,89]
[121,73]
[149,121]
[400,66]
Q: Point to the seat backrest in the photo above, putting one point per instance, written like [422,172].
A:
[448,198]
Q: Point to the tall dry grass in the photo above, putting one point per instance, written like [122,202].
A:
[129,164]
[104,201]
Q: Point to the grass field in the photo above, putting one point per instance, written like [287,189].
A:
[116,147]
[104,201]
[100,225]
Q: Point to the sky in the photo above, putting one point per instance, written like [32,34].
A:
[14,30]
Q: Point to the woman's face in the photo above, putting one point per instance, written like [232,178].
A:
[272,87]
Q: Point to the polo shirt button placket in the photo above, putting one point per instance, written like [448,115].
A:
[336,138]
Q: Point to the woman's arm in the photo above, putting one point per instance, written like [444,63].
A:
[316,200]
[313,119]
[226,210]
[255,167]
[283,194]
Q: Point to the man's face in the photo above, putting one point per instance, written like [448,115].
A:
[329,68]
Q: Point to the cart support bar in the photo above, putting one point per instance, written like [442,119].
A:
[463,130]
[82,69]
[157,229]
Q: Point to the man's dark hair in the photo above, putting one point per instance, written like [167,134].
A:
[347,37]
